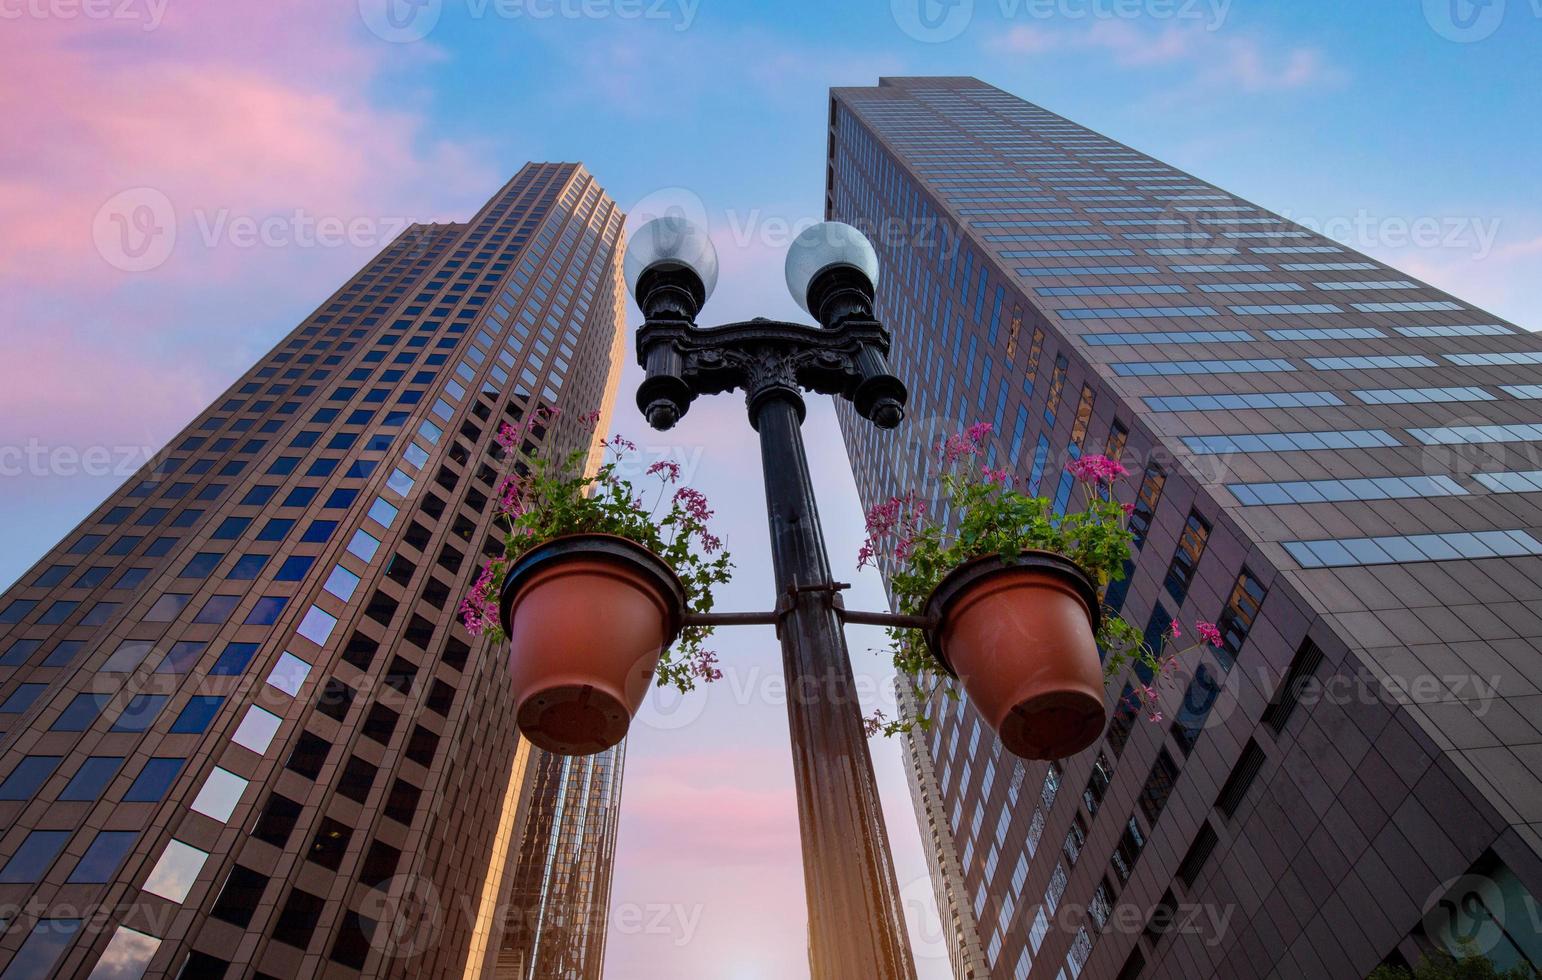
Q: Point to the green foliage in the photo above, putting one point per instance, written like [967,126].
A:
[1441,965]
[993,517]
[556,497]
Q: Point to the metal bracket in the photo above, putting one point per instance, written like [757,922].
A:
[784,606]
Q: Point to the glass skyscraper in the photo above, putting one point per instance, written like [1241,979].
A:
[242,730]
[1334,462]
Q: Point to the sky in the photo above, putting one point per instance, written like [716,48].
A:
[1407,129]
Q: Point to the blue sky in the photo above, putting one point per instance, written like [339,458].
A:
[1409,129]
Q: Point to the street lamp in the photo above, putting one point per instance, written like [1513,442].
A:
[856,925]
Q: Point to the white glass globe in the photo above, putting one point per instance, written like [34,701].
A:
[671,242]
[827,244]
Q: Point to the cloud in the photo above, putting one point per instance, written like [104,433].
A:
[1217,62]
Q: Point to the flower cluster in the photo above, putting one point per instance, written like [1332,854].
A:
[541,498]
[1155,668]
[991,515]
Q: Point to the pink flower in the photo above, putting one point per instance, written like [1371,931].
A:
[1175,630]
[873,723]
[1129,509]
[479,610]
[704,666]
[694,502]
[666,470]
[590,419]
[977,432]
[510,436]
[865,556]
[622,442]
[1001,476]
[710,543]
[1209,632]
[1097,469]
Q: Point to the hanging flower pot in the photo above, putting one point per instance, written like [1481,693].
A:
[587,617]
[595,611]
[1012,584]
[1020,638]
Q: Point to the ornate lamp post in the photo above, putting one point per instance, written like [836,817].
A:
[856,925]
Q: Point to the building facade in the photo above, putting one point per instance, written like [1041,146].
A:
[242,730]
[1332,461]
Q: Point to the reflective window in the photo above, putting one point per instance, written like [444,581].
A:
[33,856]
[363,546]
[79,714]
[1278,442]
[1137,369]
[103,856]
[1168,337]
[1526,482]
[1277,309]
[176,871]
[1468,330]
[127,956]
[167,608]
[1430,307]
[1211,403]
[1367,363]
[1463,434]
[1522,391]
[342,583]
[92,778]
[1386,284]
[1087,270]
[153,780]
[1326,333]
[196,714]
[139,713]
[266,611]
[1191,547]
[1321,491]
[38,954]
[257,729]
[181,658]
[1107,290]
[1136,312]
[1508,357]
[28,777]
[1420,547]
[1410,396]
[233,659]
[1253,287]
[21,698]
[220,794]
[289,674]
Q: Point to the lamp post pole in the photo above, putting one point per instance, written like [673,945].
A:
[856,922]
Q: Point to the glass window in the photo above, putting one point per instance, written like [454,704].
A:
[21,698]
[131,578]
[234,658]
[1410,396]
[220,794]
[78,715]
[201,565]
[196,714]
[176,871]
[1138,369]
[289,674]
[42,948]
[33,856]
[167,608]
[127,956]
[1191,546]
[342,583]
[247,566]
[363,546]
[129,655]
[103,856]
[217,609]
[91,779]
[153,780]
[28,777]
[181,658]
[140,713]
[257,729]
[294,568]
[266,611]
[317,625]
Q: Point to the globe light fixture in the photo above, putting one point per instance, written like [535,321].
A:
[832,271]
[671,265]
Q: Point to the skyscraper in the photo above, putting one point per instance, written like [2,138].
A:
[244,732]
[1332,461]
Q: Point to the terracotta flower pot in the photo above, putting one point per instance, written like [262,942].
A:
[1020,637]
[587,617]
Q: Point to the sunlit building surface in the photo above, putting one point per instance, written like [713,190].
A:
[242,730]
[1334,462]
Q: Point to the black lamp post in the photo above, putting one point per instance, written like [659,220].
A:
[856,924]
